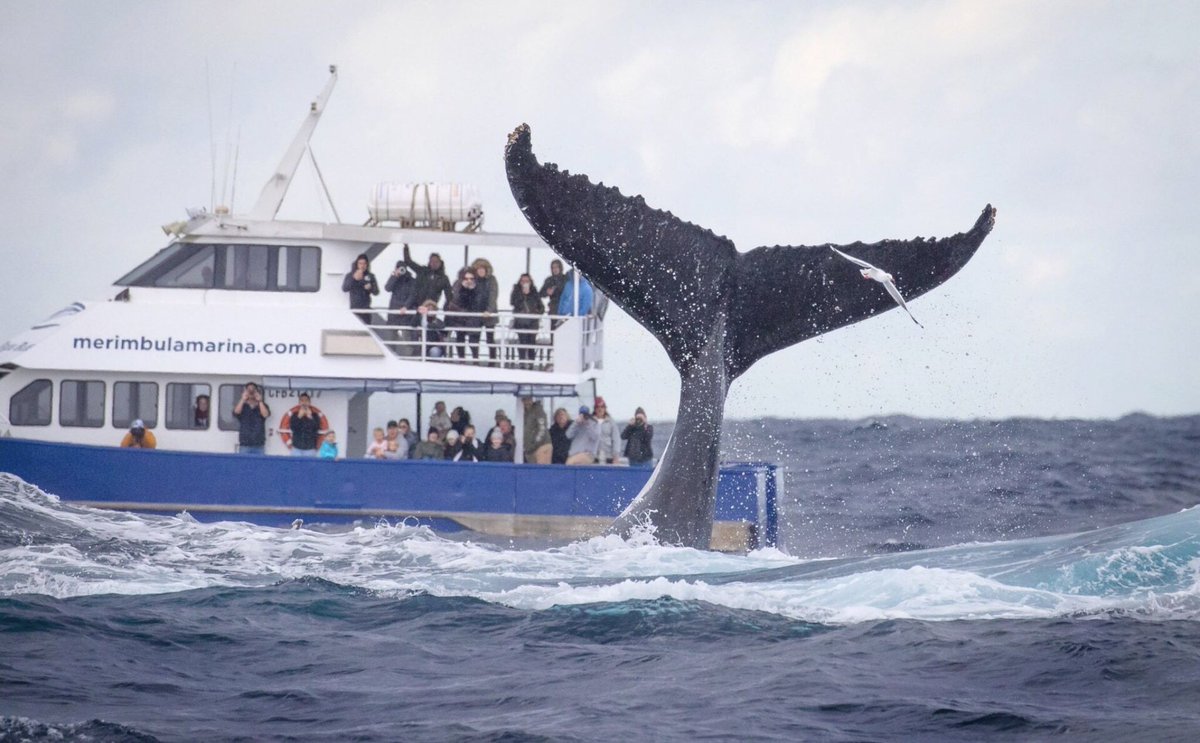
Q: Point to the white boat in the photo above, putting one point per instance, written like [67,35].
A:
[235,298]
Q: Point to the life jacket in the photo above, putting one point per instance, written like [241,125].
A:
[285,424]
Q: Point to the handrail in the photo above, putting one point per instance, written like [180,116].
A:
[477,338]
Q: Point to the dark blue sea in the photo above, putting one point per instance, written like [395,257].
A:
[990,580]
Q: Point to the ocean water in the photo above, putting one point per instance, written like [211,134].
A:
[1010,580]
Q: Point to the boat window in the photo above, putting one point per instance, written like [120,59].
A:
[31,405]
[298,269]
[287,268]
[145,274]
[246,267]
[133,400]
[81,403]
[183,401]
[230,394]
[194,271]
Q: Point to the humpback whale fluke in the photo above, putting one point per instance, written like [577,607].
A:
[715,310]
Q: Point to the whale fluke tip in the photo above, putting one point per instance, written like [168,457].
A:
[520,136]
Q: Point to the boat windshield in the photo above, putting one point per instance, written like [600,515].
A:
[289,268]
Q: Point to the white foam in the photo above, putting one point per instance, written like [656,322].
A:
[77,552]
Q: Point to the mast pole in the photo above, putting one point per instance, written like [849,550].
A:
[276,187]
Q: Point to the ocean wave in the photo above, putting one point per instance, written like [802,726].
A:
[1149,567]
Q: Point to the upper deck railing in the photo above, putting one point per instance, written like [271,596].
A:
[503,339]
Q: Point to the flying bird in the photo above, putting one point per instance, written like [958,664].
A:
[883,277]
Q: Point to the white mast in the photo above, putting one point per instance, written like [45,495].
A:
[276,188]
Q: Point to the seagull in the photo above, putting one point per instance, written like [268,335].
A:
[883,277]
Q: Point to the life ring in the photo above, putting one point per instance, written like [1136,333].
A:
[285,424]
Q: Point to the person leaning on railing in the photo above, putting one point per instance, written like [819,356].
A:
[638,436]
[485,280]
[138,437]
[560,445]
[402,287]
[434,330]
[467,298]
[525,301]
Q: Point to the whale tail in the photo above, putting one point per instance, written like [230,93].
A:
[716,311]
[675,277]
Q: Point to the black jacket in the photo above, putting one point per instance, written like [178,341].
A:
[467,300]
[526,304]
[560,443]
[637,442]
[403,291]
[304,431]
[557,283]
[360,290]
[430,284]
[503,454]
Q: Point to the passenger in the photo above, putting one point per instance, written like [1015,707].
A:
[398,445]
[409,435]
[434,330]
[552,287]
[560,444]
[329,448]
[501,416]
[638,435]
[485,281]
[201,411]
[610,437]
[453,445]
[396,450]
[360,284]
[525,301]
[138,437]
[305,426]
[252,413]
[510,435]
[432,283]
[440,419]
[379,446]
[401,316]
[459,419]
[468,297]
[584,434]
[469,449]
[498,450]
[431,447]
[566,305]
[536,435]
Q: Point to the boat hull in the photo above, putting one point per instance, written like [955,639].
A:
[500,500]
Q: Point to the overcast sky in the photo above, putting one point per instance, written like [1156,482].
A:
[768,122]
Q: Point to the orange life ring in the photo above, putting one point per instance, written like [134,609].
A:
[285,424]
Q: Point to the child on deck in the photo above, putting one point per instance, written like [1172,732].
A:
[329,449]
[378,447]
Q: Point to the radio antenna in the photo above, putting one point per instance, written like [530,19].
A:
[212,141]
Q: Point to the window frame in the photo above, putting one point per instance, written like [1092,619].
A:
[62,400]
[151,423]
[168,420]
[225,419]
[175,256]
[49,408]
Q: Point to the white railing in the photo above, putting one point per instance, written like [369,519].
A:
[485,339]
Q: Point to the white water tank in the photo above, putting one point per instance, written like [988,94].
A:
[424,203]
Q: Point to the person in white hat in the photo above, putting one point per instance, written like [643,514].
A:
[138,437]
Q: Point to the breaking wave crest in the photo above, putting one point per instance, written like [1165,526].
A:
[1145,568]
